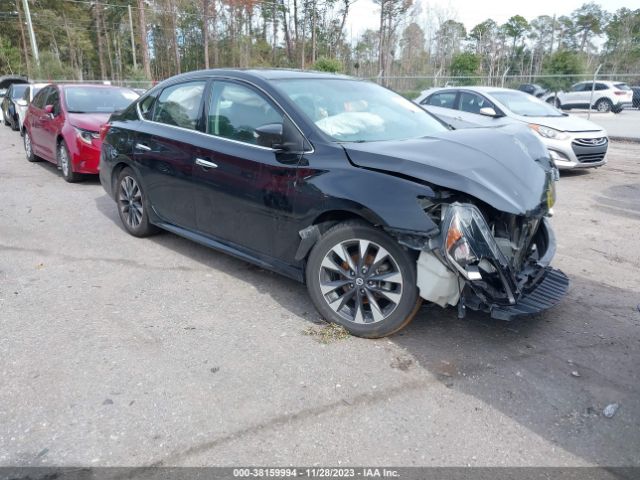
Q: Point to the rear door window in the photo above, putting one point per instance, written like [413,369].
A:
[180,105]
[443,99]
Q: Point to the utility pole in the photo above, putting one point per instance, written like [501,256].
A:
[32,36]
[133,43]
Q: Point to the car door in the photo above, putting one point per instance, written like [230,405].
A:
[245,191]
[49,125]
[166,147]
[469,106]
[34,114]
[442,104]
[578,96]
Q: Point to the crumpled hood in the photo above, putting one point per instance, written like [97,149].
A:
[89,121]
[507,167]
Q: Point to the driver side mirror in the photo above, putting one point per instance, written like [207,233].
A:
[282,137]
[270,135]
[489,112]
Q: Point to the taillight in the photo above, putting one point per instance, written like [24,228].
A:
[104,129]
[618,92]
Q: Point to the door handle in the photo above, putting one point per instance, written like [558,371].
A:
[205,163]
[142,146]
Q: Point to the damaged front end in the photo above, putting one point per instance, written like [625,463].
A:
[494,262]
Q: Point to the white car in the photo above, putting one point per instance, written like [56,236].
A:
[572,142]
[607,96]
[23,103]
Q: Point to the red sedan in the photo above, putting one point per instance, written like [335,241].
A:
[62,125]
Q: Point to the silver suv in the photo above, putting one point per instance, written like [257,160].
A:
[607,96]
[572,142]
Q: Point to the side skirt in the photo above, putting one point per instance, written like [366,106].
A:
[268,263]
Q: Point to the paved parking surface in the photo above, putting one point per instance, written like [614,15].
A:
[122,351]
[625,124]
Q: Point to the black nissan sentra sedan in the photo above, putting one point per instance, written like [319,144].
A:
[344,185]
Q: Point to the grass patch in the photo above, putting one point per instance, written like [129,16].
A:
[328,333]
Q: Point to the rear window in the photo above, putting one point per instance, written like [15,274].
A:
[621,86]
[98,99]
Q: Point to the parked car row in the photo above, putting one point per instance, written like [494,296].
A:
[372,201]
[60,123]
[572,142]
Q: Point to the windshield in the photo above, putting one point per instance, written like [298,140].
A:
[357,111]
[98,99]
[526,105]
[18,91]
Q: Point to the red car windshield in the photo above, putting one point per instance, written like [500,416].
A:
[97,99]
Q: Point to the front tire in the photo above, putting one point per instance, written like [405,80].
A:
[132,206]
[361,278]
[64,162]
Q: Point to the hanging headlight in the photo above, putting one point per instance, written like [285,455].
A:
[468,239]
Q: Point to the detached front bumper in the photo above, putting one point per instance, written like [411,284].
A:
[475,273]
[547,293]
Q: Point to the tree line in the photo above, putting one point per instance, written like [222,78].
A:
[154,39]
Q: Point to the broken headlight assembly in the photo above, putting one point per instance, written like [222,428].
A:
[467,241]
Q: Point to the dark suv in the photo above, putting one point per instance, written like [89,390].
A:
[343,185]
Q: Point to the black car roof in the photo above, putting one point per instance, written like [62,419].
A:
[262,74]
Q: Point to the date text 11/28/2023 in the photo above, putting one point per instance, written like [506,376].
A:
[316,472]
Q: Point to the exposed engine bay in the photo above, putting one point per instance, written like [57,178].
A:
[488,260]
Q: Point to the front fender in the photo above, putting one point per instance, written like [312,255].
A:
[383,199]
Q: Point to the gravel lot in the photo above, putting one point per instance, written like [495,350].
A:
[121,351]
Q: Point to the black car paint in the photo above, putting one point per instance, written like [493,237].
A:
[258,201]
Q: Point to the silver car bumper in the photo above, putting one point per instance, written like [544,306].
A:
[579,150]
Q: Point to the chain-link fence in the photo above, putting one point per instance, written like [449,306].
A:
[411,86]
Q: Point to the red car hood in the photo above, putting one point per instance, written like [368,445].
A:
[88,121]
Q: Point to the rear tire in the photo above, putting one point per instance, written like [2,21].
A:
[361,278]
[604,105]
[28,147]
[65,164]
[132,205]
